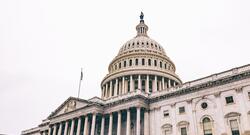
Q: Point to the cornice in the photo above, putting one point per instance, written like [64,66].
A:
[199,87]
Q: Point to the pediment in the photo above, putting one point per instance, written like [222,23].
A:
[69,105]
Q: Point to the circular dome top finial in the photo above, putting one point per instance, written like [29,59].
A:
[142,28]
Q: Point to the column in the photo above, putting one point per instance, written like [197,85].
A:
[131,83]
[119,123]
[72,127]
[128,122]
[147,84]
[66,127]
[155,84]
[54,130]
[169,83]
[123,84]
[102,125]
[163,83]
[110,124]
[138,125]
[79,126]
[60,129]
[93,124]
[106,91]
[139,82]
[49,131]
[85,131]
[174,83]
[116,86]
[146,122]
[110,88]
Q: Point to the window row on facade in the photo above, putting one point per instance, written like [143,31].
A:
[142,62]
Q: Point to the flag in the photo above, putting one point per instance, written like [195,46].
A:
[81,75]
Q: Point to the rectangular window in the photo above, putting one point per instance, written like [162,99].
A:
[184,131]
[166,113]
[234,127]
[181,109]
[248,95]
[229,99]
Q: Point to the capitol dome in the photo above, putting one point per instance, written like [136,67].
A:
[141,64]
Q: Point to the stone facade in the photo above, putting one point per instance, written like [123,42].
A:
[142,95]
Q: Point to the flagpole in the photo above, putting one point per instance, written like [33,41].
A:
[80,82]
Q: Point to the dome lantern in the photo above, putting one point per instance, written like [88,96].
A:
[142,28]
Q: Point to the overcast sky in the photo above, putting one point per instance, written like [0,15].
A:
[44,43]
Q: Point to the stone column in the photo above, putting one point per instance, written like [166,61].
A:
[110,88]
[116,86]
[169,83]
[138,116]
[79,126]
[72,127]
[102,125]
[49,131]
[131,83]
[85,132]
[66,127]
[146,122]
[155,84]
[139,82]
[147,84]
[119,123]
[103,91]
[128,122]
[123,85]
[163,83]
[110,124]
[106,91]
[93,124]
[60,129]
[54,129]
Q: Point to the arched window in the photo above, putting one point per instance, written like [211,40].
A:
[149,62]
[143,61]
[136,61]
[130,62]
[124,63]
[160,64]
[207,126]
[120,65]
[155,62]
[165,65]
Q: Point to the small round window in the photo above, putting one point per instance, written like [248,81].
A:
[204,105]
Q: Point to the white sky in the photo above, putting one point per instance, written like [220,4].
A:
[44,43]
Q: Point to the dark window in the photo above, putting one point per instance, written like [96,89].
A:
[248,95]
[124,63]
[120,65]
[130,62]
[165,65]
[229,99]
[181,109]
[143,61]
[136,61]
[204,105]
[183,131]
[115,67]
[161,64]
[149,62]
[166,113]
[155,63]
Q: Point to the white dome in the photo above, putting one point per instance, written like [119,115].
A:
[142,43]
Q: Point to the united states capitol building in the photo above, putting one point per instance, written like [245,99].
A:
[142,95]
